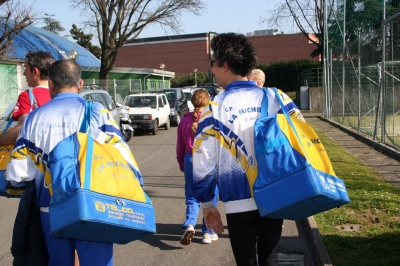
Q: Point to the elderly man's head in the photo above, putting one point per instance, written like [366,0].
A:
[65,76]
[258,76]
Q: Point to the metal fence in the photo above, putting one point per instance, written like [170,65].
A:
[312,77]
[116,86]
[362,67]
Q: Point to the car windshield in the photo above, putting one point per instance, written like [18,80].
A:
[171,97]
[188,95]
[211,90]
[141,101]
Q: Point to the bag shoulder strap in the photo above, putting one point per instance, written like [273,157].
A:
[264,104]
[8,125]
[32,100]
[33,104]
[87,116]
[283,107]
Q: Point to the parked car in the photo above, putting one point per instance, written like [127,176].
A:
[178,104]
[96,94]
[211,90]
[188,91]
[148,111]
[88,93]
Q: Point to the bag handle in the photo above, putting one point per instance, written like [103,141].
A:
[290,122]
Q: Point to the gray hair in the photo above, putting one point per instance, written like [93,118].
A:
[257,75]
[65,73]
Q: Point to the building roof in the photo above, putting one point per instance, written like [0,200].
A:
[35,39]
[169,39]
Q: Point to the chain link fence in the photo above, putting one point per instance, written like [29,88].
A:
[118,86]
[362,67]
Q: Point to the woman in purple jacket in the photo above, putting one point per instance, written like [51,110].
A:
[186,132]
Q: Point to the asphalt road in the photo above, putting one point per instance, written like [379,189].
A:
[164,183]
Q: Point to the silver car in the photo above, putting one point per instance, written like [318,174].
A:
[96,95]
[101,96]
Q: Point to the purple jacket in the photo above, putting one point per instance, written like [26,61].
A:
[184,144]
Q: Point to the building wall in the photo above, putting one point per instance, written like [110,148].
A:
[178,57]
[12,82]
[186,55]
[283,47]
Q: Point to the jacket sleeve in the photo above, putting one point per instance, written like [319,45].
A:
[205,156]
[21,167]
[291,107]
[180,146]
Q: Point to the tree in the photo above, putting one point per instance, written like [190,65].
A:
[284,74]
[184,80]
[308,16]
[52,25]
[85,40]
[364,21]
[116,21]
[14,17]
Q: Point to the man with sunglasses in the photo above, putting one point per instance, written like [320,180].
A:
[224,140]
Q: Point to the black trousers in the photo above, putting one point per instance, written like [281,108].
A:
[252,235]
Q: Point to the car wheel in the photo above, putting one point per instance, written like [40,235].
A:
[155,129]
[127,135]
[167,125]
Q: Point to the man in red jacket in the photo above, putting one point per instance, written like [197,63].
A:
[36,73]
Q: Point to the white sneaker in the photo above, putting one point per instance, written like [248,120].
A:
[188,235]
[207,238]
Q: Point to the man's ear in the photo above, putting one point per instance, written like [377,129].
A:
[36,72]
[52,90]
[51,83]
[80,85]
[225,66]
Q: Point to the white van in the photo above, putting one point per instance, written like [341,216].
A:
[148,111]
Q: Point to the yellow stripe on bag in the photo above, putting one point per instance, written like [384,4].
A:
[312,145]
[110,173]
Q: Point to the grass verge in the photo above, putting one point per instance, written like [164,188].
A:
[367,230]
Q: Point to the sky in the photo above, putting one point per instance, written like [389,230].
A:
[220,16]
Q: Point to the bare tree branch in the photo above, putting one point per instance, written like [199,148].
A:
[308,16]
[14,17]
[117,21]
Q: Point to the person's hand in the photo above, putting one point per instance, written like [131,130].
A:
[212,219]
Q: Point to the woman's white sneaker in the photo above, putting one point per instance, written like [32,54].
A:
[188,235]
[207,238]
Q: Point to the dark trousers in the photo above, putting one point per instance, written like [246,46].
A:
[250,235]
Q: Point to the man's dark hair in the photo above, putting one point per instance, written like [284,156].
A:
[41,60]
[236,50]
[65,73]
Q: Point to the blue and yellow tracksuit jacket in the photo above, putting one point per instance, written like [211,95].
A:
[225,141]
[43,129]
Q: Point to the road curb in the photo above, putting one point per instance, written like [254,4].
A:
[320,253]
